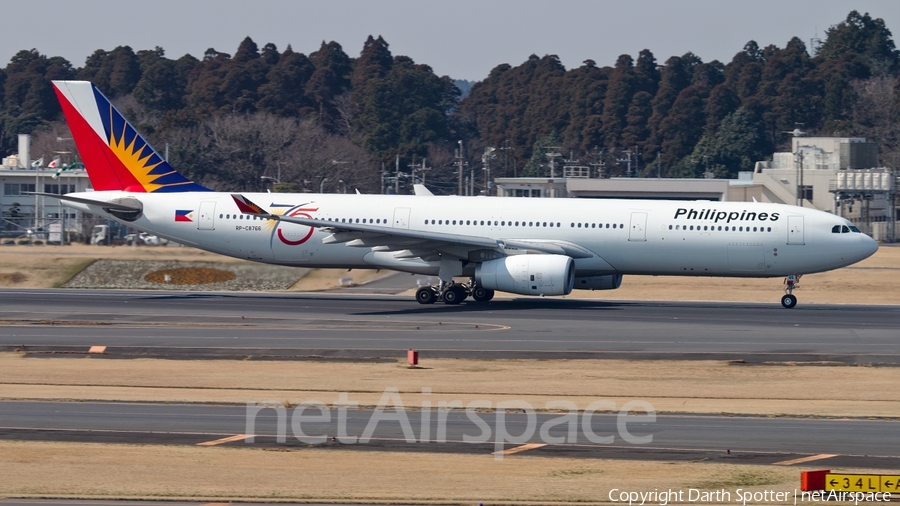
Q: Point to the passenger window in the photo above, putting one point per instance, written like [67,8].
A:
[754,229]
[768,229]
[579,225]
[720,228]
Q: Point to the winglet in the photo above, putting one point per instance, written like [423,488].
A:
[248,207]
[422,191]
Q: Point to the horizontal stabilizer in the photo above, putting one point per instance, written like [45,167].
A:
[90,202]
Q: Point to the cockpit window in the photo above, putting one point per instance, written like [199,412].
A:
[845,229]
[854,229]
[836,229]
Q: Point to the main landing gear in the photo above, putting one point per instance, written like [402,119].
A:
[790,300]
[453,293]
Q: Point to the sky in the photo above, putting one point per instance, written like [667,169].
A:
[464,39]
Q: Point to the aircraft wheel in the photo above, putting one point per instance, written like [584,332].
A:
[789,301]
[481,294]
[426,295]
[454,295]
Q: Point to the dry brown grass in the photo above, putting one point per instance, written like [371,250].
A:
[12,278]
[189,276]
[670,386]
[70,470]
[868,282]
[51,266]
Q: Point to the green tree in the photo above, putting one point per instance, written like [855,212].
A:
[284,93]
[537,163]
[618,97]
[734,147]
[864,36]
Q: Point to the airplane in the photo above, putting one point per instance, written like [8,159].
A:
[540,247]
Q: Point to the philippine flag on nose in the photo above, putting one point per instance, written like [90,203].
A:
[184,215]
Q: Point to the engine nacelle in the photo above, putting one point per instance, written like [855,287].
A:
[608,282]
[528,274]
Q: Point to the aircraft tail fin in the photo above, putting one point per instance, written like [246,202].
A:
[115,155]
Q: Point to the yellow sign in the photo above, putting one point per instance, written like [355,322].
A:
[862,483]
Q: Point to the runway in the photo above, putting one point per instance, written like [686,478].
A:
[846,443]
[349,324]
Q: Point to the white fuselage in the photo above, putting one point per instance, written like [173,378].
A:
[693,238]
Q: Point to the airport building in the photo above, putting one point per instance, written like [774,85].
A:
[30,216]
[834,174]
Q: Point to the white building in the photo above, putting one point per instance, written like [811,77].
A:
[820,172]
[20,212]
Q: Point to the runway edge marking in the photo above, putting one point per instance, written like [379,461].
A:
[802,460]
[238,437]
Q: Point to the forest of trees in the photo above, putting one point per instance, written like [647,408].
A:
[333,120]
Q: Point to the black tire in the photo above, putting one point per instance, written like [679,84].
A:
[426,295]
[789,301]
[454,295]
[481,294]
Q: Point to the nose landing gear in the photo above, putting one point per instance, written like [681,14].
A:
[790,282]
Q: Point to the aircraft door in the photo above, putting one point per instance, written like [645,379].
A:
[401,217]
[795,230]
[638,230]
[206,221]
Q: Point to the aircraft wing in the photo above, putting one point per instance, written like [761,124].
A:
[418,243]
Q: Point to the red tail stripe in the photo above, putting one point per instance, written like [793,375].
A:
[105,170]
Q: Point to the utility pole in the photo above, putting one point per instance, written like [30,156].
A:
[626,159]
[658,166]
[553,155]
[486,162]
[397,177]
[424,170]
[461,164]
[506,149]
[637,161]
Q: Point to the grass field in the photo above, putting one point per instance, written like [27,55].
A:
[223,474]
[872,281]
[670,386]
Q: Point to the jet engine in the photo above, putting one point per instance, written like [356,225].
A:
[528,274]
[608,282]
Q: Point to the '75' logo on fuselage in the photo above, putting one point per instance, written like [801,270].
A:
[294,211]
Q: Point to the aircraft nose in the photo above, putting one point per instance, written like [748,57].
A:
[870,246]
